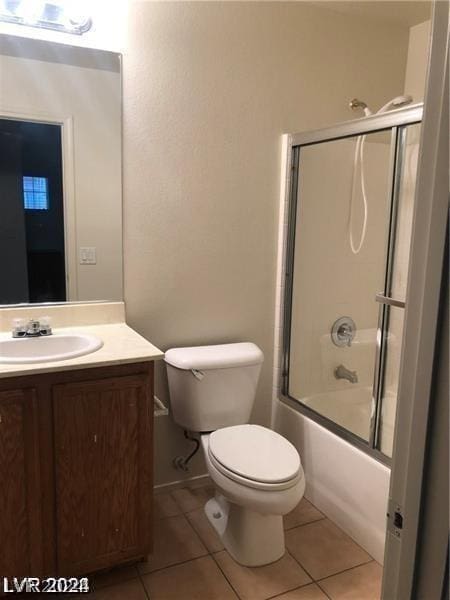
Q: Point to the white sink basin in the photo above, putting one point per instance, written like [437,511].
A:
[47,349]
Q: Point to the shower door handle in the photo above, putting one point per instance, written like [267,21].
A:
[382,299]
[379,365]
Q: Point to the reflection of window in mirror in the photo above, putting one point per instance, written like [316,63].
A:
[31,212]
[35,193]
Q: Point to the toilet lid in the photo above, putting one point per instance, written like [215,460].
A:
[255,452]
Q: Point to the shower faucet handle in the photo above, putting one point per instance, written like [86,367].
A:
[343,331]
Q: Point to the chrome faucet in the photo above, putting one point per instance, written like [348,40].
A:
[33,328]
[342,372]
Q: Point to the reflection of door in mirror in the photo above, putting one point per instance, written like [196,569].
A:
[31,213]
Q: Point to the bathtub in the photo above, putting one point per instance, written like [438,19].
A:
[347,485]
[349,408]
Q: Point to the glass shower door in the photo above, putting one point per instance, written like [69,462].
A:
[348,244]
[334,283]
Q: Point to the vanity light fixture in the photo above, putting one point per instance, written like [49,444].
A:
[60,15]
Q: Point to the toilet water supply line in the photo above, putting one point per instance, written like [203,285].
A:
[181,462]
[358,160]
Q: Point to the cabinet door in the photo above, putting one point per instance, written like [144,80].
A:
[103,467]
[20,518]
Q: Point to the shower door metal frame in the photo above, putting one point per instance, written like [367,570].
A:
[393,122]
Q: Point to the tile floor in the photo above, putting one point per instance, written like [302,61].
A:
[190,563]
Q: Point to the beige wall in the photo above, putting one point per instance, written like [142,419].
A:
[416,66]
[58,89]
[208,90]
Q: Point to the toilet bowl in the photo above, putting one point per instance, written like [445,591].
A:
[252,495]
[257,473]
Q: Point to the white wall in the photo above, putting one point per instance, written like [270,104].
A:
[57,88]
[209,87]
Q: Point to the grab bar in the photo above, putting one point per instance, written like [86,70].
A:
[382,299]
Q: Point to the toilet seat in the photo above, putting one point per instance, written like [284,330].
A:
[255,456]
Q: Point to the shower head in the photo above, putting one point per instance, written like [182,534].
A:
[402,100]
[356,104]
[396,102]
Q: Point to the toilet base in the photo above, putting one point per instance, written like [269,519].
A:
[251,538]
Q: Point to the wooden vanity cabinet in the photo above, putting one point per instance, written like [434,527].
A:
[102,463]
[20,518]
[76,456]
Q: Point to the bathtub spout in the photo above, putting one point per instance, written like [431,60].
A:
[342,372]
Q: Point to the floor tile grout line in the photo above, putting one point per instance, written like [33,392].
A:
[195,532]
[354,541]
[269,597]
[107,585]
[325,517]
[300,564]
[299,587]
[175,500]
[332,574]
[144,586]
[199,539]
[322,590]
[367,562]
[224,574]
[175,564]
[307,523]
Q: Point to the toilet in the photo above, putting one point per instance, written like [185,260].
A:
[256,472]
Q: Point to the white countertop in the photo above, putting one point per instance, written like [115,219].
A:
[121,345]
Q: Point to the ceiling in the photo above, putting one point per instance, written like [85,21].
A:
[397,12]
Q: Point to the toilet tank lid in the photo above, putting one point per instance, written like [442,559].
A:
[221,356]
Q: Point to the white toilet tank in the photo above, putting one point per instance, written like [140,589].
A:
[213,386]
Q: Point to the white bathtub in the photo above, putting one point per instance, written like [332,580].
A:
[349,408]
[347,485]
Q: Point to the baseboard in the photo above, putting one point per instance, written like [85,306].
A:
[191,482]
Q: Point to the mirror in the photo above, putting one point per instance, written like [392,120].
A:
[60,173]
